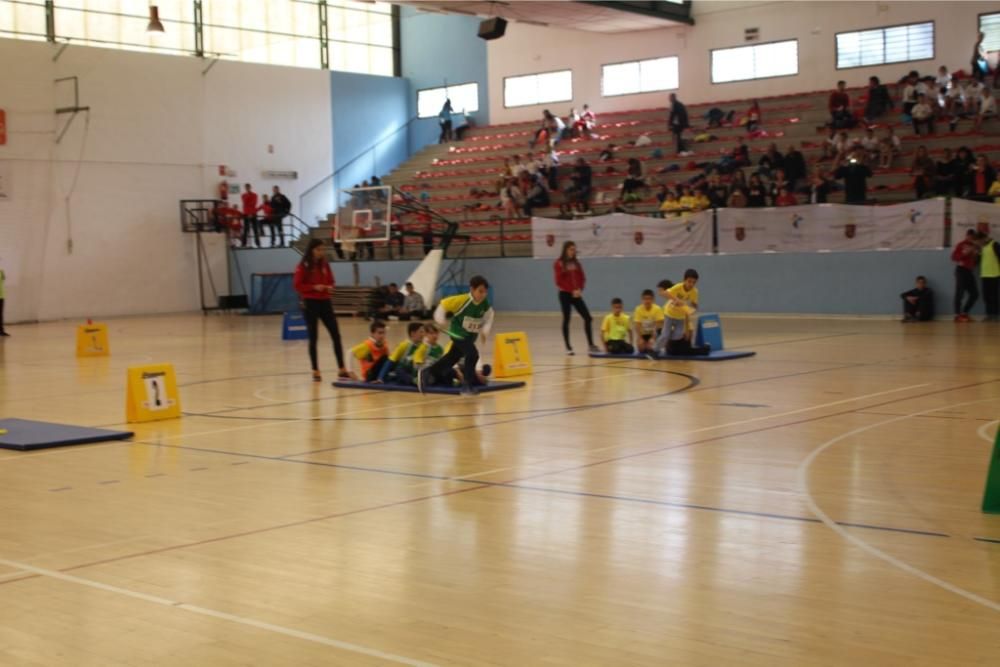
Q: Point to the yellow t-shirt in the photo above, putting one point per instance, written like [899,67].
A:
[615,328]
[404,352]
[690,297]
[648,321]
[428,353]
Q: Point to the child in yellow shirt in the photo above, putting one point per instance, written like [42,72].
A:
[647,320]
[400,368]
[680,307]
[615,330]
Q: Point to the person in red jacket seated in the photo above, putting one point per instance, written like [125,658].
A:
[570,280]
[840,107]
[314,283]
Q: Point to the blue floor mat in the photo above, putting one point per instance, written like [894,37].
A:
[494,385]
[25,434]
[717,355]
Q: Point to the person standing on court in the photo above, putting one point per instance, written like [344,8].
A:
[989,277]
[280,208]
[314,283]
[678,122]
[3,279]
[570,281]
[966,256]
[249,201]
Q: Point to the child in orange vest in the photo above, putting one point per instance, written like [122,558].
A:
[372,352]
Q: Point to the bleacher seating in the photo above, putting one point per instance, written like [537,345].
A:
[442,176]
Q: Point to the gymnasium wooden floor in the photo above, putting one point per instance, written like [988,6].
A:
[815,505]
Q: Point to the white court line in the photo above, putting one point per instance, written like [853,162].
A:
[718,426]
[983,431]
[204,611]
[803,481]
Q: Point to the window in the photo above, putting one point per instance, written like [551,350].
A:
[464,99]
[641,76]
[522,91]
[989,24]
[880,46]
[760,61]
[23,20]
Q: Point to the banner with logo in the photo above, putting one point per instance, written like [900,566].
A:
[832,228]
[981,216]
[624,235]
[910,226]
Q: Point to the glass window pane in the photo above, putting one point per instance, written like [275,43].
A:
[658,74]
[732,64]
[555,87]
[895,44]
[621,79]
[755,62]
[990,25]
[464,99]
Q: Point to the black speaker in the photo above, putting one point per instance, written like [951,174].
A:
[493,28]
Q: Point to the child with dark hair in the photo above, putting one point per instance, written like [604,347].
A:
[471,317]
[681,304]
[372,352]
[918,303]
[399,367]
[647,320]
[615,330]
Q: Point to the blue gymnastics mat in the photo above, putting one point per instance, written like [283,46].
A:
[715,355]
[25,434]
[494,385]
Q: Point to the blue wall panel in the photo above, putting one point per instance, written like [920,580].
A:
[863,283]
[438,48]
[368,109]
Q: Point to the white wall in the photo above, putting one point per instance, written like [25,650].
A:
[158,129]
[526,49]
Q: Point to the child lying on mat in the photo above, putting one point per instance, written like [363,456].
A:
[616,331]
[399,367]
[430,351]
[371,353]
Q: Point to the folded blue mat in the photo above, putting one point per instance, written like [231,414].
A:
[715,355]
[25,434]
[494,385]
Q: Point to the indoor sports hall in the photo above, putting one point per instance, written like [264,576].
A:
[499,333]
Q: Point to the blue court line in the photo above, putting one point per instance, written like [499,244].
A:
[987,539]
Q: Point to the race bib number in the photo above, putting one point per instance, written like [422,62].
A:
[472,324]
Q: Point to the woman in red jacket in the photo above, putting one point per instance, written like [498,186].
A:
[314,282]
[570,280]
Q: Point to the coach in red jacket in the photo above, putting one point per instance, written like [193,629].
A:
[570,281]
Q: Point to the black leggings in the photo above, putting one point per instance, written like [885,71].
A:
[317,310]
[991,296]
[461,348]
[566,300]
[965,285]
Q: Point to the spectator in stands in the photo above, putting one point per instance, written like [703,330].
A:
[954,102]
[741,153]
[918,303]
[444,120]
[994,192]
[922,170]
[670,207]
[547,166]
[281,208]
[537,195]
[966,256]
[717,192]
[608,153]
[987,107]
[265,214]
[694,200]
[855,174]
[943,83]
[879,100]
[989,275]
[819,186]
[779,182]
[870,145]
[973,96]
[394,301]
[839,106]
[427,238]
[737,199]
[944,174]
[771,160]
[889,148]
[249,201]
[714,117]
[738,182]
[785,198]
[677,122]
[795,167]
[413,303]
[587,122]
[512,199]
[581,185]
[830,145]
[756,193]
[981,177]
[922,114]
[909,94]
[979,63]
[633,181]
[553,126]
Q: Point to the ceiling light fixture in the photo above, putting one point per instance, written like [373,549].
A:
[155,25]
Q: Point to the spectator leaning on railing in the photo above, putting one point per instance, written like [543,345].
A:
[855,174]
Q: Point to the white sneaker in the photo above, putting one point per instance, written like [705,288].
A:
[570,353]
